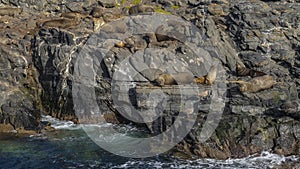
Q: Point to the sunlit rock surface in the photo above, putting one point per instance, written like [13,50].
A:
[39,47]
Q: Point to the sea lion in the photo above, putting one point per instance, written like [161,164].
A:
[208,79]
[110,16]
[243,71]
[150,74]
[97,12]
[135,43]
[200,80]
[211,75]
[204,93]
[174,79]
[120,44]
[163,33]
[60,23]
[138,41]
[256,84]
[140,9]
[10,11]
[73,15]
[150,37]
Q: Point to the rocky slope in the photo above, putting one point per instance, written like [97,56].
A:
[40,42]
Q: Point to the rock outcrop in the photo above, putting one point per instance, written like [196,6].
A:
[39,53]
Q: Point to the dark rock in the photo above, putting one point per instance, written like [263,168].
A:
[107,3]
[260,35]
[51,55]
[20,112]
[138,9]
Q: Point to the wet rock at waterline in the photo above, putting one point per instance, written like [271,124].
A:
[37,66]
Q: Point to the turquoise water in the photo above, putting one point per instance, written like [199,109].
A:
[70,147]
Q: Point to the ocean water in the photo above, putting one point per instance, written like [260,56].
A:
[70,147]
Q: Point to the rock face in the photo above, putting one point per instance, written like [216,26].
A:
[19,103]
[38,65]
[52,51]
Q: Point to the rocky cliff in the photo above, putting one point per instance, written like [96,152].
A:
[41,42]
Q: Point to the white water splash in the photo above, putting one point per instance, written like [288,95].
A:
[265,160]
[60,124]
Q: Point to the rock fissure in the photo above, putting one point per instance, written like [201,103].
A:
[259,35]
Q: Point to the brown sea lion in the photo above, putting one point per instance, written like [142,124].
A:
[151,73]
[60,23]
[256,84]
[200,80]
[135,43]
[120,44]
[97,12]
[162,33]
[208,79]
[10,11]
[174,79]
[243,71]
[211,75]
[72,15]
[139,41]
[140,9]
[204,93]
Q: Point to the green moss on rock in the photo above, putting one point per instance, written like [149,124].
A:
[136,2]
[162,11]
[175,7]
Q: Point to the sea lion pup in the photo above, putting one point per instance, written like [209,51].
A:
[174,79]
[140,9]
[243,71]
[256,84]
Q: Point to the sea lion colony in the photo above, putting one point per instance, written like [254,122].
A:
[71,19]
[141,41]
[259,82]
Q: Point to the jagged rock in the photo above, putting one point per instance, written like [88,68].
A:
[261,35]
[108,3]
[52,55]
[215,9]
[18,107]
